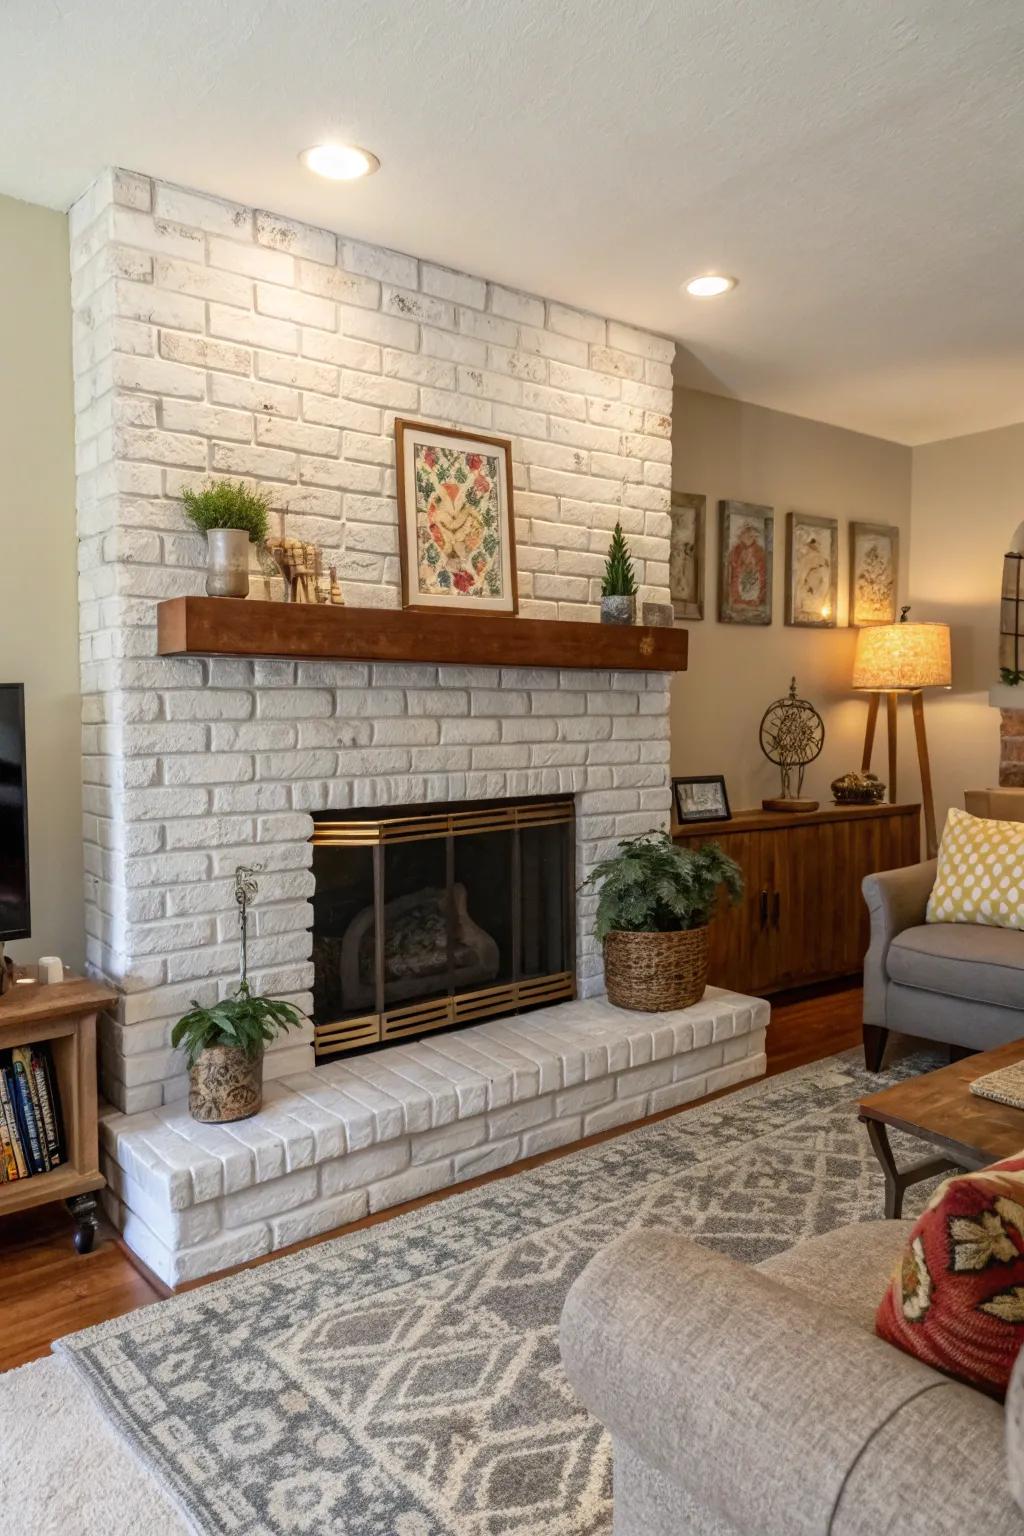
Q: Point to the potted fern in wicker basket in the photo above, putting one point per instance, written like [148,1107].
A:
[655,903]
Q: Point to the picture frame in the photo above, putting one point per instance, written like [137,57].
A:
[688,513]
[812,570]
[700,797]
[745,546]
[874,573]
[456,520]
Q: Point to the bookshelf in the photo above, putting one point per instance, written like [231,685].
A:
[64,1016]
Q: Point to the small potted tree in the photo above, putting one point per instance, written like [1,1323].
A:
[231,516]
[618,584]
[224,1044]
[656,901]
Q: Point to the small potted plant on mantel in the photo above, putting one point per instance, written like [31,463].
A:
[618,584]
[224,1044]
[656,901]
[232,516]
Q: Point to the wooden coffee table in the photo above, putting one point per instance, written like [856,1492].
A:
[940,1109]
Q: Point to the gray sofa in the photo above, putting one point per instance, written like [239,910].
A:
[759,1402]
[955,982]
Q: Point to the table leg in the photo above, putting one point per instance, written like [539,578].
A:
[899,1180]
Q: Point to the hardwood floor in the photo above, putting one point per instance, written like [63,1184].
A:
[47,1290]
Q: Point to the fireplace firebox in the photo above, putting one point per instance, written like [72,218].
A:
[443,916]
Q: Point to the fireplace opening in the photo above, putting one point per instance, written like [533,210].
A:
[443,916]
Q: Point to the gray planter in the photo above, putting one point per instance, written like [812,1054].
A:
[618,610]
[227,568]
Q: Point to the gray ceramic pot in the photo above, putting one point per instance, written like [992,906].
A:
[225,1084]
[618,610]
[227,567]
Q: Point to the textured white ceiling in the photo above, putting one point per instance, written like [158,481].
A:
[856,163]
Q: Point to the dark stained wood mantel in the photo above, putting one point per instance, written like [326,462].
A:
[226,626]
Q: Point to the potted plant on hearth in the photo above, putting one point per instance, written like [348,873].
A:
[231,515]
[618,584]
[655,903]
[224,1044]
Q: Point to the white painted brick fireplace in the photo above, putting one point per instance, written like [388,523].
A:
[214,339]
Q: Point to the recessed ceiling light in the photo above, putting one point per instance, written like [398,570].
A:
[339,162]
[710,285]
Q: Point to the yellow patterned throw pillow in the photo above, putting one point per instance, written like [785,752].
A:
[980,874]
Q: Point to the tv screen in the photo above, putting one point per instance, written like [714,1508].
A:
[15,918]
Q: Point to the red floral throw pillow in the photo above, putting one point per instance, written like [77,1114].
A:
[956,1300]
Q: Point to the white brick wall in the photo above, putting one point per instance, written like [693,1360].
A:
[216,339]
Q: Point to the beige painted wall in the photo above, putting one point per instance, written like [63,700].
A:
[723,448]
[38,580]
[967,500]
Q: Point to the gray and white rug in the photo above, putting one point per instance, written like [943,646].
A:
[405,1381]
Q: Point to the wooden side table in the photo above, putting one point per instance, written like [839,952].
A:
[64,1016]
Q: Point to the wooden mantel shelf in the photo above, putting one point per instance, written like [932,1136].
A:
[225,626]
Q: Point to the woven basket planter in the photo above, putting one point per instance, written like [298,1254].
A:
[656,971]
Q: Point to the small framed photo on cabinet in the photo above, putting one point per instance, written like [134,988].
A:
[701,797]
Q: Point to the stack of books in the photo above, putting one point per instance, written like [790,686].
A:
[31,1128]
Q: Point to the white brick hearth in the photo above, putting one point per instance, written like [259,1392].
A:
[358,1136]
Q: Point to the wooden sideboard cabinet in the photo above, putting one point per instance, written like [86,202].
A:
[802,918]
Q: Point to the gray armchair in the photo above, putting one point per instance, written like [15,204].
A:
[758,1402]
[960,983]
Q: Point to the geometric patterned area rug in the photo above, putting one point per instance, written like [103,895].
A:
[405,1380]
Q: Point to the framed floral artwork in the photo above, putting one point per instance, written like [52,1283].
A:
[874,573]
[812,570]
[745,542]
[455,520]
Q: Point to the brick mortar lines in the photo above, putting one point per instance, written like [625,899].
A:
[214,338]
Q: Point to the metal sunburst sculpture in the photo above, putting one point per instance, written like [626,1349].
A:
[792,735]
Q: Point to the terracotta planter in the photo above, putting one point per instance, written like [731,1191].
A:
[227,568]
[618,610]
[225,1084]
[656,971]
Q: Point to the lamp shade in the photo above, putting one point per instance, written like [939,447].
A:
[891,657]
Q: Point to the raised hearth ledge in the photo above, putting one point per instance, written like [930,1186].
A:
[225,626]
[368,1133]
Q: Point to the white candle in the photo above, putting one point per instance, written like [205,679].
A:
[51,970]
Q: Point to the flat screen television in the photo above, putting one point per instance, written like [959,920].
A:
[15,913]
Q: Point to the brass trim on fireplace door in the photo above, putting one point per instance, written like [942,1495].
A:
[441,1012]
[413,829]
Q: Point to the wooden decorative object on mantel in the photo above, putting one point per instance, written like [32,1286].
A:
[223,626]
[64,1015]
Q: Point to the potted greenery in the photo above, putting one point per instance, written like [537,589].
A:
[224,1044]
[618,584]
[656,901]
[231,515]
[224,1048]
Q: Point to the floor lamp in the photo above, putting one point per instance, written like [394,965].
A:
[903,658]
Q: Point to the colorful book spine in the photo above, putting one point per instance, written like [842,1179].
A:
[8,1096]
[27,1117]
[22,1054]
[10,1162]
[48,1109]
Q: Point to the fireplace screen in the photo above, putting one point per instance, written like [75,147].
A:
[447,916]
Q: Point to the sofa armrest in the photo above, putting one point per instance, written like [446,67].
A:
[757,1400]
[896,899]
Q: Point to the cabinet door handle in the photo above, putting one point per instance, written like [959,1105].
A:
[764,909]
[776,908]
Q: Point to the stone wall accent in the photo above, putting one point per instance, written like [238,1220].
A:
[211,338]
[1011,748]
[359,1136]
